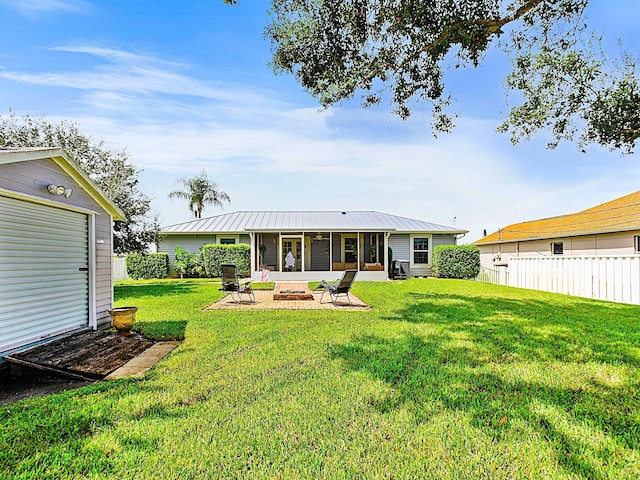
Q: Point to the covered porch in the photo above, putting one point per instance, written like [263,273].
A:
[319,255]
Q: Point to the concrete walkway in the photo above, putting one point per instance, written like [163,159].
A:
[143,362]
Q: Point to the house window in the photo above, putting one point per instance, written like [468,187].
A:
[420,248]
[557,248]
[636,242]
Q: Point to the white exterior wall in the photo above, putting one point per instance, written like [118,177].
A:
[617,243]
[27,181]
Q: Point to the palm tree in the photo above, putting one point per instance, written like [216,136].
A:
[198,191]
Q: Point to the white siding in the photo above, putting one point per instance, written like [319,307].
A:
[44,262]
[31,178]
[401,247]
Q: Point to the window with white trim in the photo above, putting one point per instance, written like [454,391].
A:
[636,242]
[420,251]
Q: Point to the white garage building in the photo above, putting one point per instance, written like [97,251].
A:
[55,247]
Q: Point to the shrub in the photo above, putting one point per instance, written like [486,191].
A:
[214,255]
[456,261]
[186,263]
[147,265]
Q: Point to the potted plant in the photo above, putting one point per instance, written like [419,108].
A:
[123,319]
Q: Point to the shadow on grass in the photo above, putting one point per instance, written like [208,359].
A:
[575,330]
[135,292]
[162,330]
[33,437]
[460,355]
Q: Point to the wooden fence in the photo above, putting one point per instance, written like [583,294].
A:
[613,278]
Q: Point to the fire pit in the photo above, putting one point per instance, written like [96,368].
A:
[289,292]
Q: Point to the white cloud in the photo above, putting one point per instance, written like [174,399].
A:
[33,6]
[130,73]
[270,154]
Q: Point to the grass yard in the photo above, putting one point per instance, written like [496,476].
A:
[442,379]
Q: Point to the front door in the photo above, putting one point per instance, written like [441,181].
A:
[291,254]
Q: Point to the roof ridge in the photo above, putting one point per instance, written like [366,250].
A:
[619,212]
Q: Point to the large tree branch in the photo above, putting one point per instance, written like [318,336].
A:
[451,35]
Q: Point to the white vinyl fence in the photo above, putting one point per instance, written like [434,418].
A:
[118,269]
[495,275]
[613,278]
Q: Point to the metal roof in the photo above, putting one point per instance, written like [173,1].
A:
[296,221]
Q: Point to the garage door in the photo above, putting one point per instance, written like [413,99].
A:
[44,286]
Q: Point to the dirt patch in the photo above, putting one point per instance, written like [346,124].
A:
[20,383]
[87,355]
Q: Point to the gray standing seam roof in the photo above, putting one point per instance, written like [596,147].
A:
[299,221]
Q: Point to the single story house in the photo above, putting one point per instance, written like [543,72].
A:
[55,247]
[612,228]
[321,242]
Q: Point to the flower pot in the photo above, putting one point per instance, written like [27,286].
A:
[123,318]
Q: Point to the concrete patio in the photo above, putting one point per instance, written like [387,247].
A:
[265,300]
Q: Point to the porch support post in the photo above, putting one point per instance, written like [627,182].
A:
[280,252]
[254,251]
[386,253]
[359,252]
[303,252]
[331,251]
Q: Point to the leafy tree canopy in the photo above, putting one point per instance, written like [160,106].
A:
[338,49]
[199,191]
[112,171]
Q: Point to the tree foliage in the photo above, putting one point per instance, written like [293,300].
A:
[111,170]
[338,49]
[199,191]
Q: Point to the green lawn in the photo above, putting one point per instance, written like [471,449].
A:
[442,379]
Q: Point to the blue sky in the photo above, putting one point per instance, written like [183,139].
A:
[186,86]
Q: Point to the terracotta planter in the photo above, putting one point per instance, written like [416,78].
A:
[123,318]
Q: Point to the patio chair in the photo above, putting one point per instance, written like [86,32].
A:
[233,285]
[340,287]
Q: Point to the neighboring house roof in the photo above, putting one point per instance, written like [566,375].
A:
[295,221]
[621,214]
[69,166]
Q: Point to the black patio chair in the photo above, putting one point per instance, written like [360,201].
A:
[340,287]
[233,285]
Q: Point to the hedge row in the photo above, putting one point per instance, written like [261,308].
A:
[214,255]
[147,265]
[456,261]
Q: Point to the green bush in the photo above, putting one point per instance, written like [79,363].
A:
[189,264]
[147,265]
[456,261]
[214,255]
